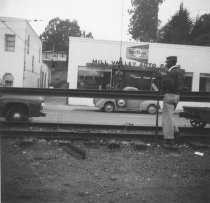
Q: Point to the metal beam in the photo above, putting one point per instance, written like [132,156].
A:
[152,95]
[86,131]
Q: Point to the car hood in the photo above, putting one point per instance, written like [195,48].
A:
[21,98]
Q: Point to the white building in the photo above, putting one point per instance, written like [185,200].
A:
[57,61]
[21,54]
[92,60]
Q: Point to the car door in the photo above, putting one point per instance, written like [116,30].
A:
[132,104]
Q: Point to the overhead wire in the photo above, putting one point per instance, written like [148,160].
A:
[121,29]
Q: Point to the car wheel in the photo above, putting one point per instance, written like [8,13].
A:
[109,107]
[17,114]
[197,124]
[151,109]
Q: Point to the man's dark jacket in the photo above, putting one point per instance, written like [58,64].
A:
[173,82]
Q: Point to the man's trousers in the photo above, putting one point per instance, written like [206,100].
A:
[170,102]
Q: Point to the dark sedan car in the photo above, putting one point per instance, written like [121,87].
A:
[20,107]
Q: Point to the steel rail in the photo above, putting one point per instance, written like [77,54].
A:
[185,96]
[91,131]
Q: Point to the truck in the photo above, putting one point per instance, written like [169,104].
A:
[21,107]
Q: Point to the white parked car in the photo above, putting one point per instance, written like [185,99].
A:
[120,104]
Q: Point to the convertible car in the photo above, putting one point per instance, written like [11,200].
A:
[110,105]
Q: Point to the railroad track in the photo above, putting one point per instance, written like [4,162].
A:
[92,131]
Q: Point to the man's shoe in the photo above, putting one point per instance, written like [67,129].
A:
[170,145]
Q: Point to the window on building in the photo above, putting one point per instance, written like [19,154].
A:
[188,81]
[140,80]
[204,85]
[41,79]
[10,42]
[8,79]
[28,44]
[45,80]
[146,83]
[32,63]
[93,78]
[39,54]
[8,83]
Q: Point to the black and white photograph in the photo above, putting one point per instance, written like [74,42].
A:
[104,101]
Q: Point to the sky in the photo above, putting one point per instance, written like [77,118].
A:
[105,19]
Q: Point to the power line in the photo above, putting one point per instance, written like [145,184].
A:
[20,20]
[121,29]
[35,20]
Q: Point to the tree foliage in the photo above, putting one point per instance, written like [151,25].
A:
[88,35]
[144,19]
[200,34]
[178,28]
[57,32]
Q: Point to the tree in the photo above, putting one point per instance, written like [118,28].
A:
[178,28]
[144,19]
[89,35]
[57,32]
[200,34]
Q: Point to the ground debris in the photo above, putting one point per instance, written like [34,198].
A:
[199,153]
[140,145]
[113,144]
[124,175]
[198,145]
[72,150]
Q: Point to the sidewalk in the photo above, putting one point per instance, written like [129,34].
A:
[58,107]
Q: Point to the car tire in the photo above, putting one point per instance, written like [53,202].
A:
[197,124]
[109,107]
[152,109]
[17,114]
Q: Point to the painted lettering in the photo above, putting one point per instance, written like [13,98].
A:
[149,65]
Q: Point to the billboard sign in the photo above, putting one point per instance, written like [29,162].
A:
[138,53]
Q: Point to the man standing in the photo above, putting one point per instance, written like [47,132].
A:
[172,85]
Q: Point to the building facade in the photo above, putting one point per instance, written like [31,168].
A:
[57,61]
[95,64]
[21,54]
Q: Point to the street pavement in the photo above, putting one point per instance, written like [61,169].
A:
[62,113]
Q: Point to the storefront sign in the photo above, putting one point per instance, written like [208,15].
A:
[138,53]
[114,64]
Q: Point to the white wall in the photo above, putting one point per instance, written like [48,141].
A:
[83,50]
[47,71]
[31,75]
[194,59]
[19,63]
[12,62]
